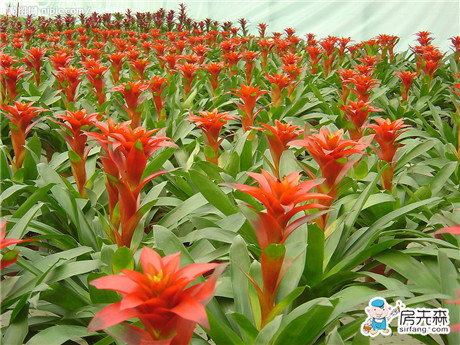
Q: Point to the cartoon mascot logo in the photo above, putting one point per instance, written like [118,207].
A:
[380,314]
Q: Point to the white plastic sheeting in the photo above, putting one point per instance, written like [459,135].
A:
[360,20]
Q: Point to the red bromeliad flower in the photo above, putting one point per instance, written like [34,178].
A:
[345,76]
[214,69]
[61,59]
[69,78]
[249,95]
[278,137]
[278,82]
[262,27]
[95,75]
[157,85]
[265,46]
[363,86]
[7,60]
[211,124]
[370,61]
[201,51]
[314,53]
[407,79]
[387,44]
[9,80]
[283,199]
[160,297]
[127,151]
[34,61]
[293,71]
[139,66]
[249,57]
[132,92]
[330,52]
[11,256]
[291,59]
[79,122]
[171,60]
[117,61]
[343,42]
[424,38]
[232,59]
[386,134]
[357,113]
[188,71]
[332,153]
[21,116]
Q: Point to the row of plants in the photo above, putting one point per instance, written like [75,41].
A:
[172,181]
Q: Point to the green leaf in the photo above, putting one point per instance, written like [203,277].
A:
[418,150]
[170,244]
[18,328]
[31,201]
[19,229]
[306,327]
[6,286]
[122,259]
[158,161]
[275,251]
[315,255]
[239,262]
[449,286]
[248,330]
[267,333]
[349,222]
[410,268]
[222,334]
[213,193]
[441,178]
[280,306]
[185,209]
[361,169]
[373,231]
[57,335]
[334,338]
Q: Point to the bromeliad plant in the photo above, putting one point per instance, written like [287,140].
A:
[283,199]
[132,94]
[278,138]
[287,284]
[211,123]
[335,157]
[386,135]
[126,153]
[249,95]
[78,123]
[20,116]
[160,297]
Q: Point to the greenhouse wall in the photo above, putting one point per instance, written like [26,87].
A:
[358,19]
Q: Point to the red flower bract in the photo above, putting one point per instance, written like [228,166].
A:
[127,151]
[159,297]
[278,137]
[211,124]
[332,153]
[78,121]
[280,198]
[21,116]
[132,92]
[249,95]
[386,134]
